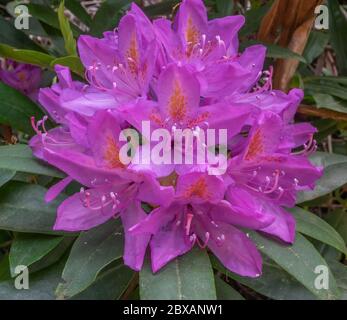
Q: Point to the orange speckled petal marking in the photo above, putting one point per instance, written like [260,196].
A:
[177,103]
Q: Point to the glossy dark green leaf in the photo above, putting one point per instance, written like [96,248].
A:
[108,16]
[23,209]
[338,220]
[226,291]
[315,45]
[48,16]
[254,18]
[187,277]
[42,285]
[76,8]
[340,272]
[275,51]
[16,109]
[224,7]
[327,101]
[27,249]
[92,251]
[300,261]
[337,28]
[15,38]
[19,158]
[335,175]
[6,176]
[109,285]
[5,268]
[274,282]
[311,225]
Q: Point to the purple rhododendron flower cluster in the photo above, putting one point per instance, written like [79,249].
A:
[185,74]
[24,77]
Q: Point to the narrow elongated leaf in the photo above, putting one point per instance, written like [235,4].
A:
[73,62]
[187,277]
[48,16]
[26,56]
[335,175]
[338,26]
[19,157]
[22,208]
[27,249]
[16,109]
[315,45]
[70,42]
[92,251]
[338,220]
[6,176]
[300,261]
[316,228]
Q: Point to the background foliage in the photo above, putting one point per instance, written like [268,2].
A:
[89,265]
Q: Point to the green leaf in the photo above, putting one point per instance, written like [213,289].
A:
[334,175]
[91,252]
[224,7]
[76,8]
[274,283]
[27,249]
[73,62]
[15,38]
[19,158]
[338,220]
[108,16]
[327,101]
[337,28]
[160,8]
[311,225]
[6,176]
[16,109]
[26,56]
[300,261]
[22,208]
[254,18]
[189,277]
[315,46]
[226,291]
[275,51]
[70,42]
[4,269]
[48,16]
[109,285]
[42,285]
[340,272]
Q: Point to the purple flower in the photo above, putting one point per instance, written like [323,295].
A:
[199,215]
[24,77]
[187,75]
[210,49]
